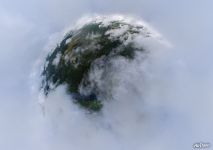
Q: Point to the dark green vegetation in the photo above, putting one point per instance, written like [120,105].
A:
[76,55]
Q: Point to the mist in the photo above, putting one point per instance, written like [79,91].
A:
[171,108]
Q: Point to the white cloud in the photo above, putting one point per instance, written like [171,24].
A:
[176,89]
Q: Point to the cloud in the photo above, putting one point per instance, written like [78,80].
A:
[176,89]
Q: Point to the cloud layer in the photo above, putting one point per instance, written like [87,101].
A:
[176,88]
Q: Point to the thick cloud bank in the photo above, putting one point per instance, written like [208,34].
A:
[164,102]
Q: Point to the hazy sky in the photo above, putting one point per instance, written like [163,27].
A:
[25,29]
